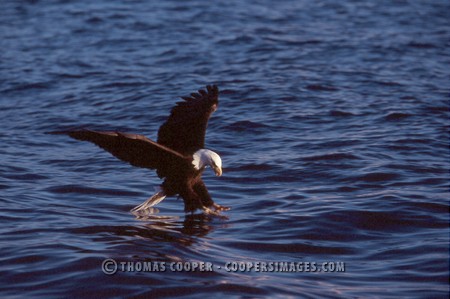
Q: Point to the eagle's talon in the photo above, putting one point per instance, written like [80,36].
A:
[220,208]
[208,211]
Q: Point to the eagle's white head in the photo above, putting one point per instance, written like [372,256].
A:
[205,157]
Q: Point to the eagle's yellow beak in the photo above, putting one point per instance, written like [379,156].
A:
[217,170]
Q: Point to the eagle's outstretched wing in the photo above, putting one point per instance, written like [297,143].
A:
[135,149]
[185,129]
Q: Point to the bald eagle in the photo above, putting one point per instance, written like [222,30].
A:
[178,155]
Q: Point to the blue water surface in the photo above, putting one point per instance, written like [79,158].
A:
[332,126]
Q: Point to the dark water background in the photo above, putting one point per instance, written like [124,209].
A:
[332,127]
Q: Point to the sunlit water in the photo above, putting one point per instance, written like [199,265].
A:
[332,127]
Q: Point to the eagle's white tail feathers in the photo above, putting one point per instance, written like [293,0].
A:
[152,201]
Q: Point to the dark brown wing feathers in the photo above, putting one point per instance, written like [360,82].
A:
[178,138]
[185,129]
[135,149]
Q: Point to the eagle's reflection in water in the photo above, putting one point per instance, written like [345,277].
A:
[193,224]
